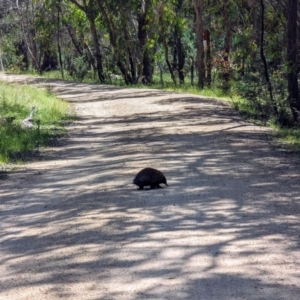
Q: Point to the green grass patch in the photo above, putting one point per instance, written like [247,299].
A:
[212,92]
[16,102]
[288,136]
[57,75]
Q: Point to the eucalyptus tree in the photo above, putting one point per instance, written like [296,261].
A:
[58,31]
[89,7]
[28,12]
[179,50]
[78,44]
[144,35]
[199,7]
[116,23]
[263,58]
[130,28]
[272,39]
[292,64]
[227,43]
[164,20]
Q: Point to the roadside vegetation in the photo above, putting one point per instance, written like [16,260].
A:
[18,142]
[245,52]
[248,110]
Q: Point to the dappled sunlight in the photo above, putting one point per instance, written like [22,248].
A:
[74,226]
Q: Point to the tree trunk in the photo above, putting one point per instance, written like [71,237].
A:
[1,64]
[89,10]
[58,40]
[49,61]
[198,6]
[113,40]
[147,71]
[165,43]
[293,88]
[192,70]
[21,50]
[28,35]
[161,73]
[179,51]
[98,56]
[71,31]
[226,67]
[208,65]
[263,58]
[179,54]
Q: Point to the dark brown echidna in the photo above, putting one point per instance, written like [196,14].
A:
[149,177]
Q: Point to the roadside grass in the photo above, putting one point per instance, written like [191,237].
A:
[287,136]
[16,101]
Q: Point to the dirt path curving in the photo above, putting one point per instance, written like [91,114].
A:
[228,227]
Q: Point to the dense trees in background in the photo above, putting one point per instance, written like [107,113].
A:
[246,47]
[292,62]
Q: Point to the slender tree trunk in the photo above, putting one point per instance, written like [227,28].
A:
[161,73]
[292,76]
[58,40]
[179,54]
[1,63]
[167,58]
[208,64]
[28,37]
[98,55]
[131,53]
[192,70]
[198,6]
[179,51]
[208,58]
[165,44]
[113,40]
[263,58]
[226,68]
[76,44]
[145,54]
[89,10]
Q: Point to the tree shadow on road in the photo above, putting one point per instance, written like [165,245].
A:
[227,227]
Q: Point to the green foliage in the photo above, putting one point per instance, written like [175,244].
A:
[15,105]
[288,136]
[79,68]
[123,51]
[9,41]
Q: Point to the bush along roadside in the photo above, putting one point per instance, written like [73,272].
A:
[30,118]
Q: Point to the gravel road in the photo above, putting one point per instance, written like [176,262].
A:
[73,226]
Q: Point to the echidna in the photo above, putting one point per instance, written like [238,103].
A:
[149,177]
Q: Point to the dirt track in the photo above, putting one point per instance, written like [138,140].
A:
[74,227]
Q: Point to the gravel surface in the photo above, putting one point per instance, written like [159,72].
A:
[73,226]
